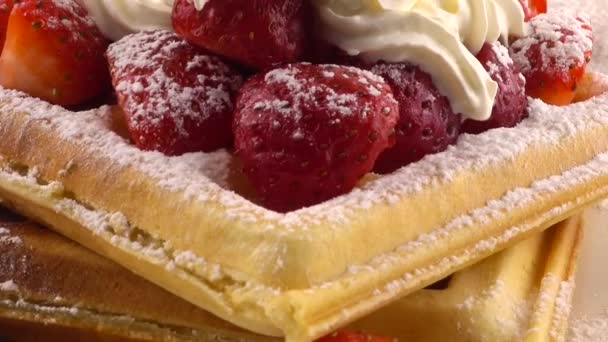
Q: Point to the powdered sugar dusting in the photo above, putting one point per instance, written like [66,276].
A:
[503,58]
[512,318]
[563,306]
[306,90]
[589,328]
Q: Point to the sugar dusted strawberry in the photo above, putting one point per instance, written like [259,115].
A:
[347,336]
[53,51]
[427,123]
[176,98]
[256,33]
[553,57]
[511,102]
[306,133]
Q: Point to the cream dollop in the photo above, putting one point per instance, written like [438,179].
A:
[118,18]
[440,36]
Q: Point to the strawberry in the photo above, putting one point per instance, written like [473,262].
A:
[427,123]
[554,56]
[510,103]
[346,336]
[306,133]
[532,8]
[176,98]
[53,51]
[256,33]
[6,6]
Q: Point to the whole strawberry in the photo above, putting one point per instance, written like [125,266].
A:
[511,102]
[306,133]
[176,98]
[427,123]
[554,55]
[256,33]
[52,50]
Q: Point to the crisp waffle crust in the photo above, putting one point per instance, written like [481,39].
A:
[178,222]
[520,294]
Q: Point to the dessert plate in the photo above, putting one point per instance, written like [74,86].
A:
[519,294]
[179,221]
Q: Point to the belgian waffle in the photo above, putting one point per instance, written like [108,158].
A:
[181,223]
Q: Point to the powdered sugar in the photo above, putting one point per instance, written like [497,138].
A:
[589,328]
[563,306]
[503,58]
[511,320]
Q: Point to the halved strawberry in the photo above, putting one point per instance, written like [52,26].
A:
[347,336]
[554,56]
[53,51]
[532,8]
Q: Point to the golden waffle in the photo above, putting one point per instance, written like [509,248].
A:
[54,288]
[178,222]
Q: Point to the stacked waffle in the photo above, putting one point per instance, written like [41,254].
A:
[230,268]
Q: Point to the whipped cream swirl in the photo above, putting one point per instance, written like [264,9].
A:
[440,36]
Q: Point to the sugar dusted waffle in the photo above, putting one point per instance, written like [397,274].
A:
[191,223]
[519,294]
[273,273]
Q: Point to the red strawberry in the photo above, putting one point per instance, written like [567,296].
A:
[53,51]
[510,103]
[176,98]
[532,8]
[427,123]
[6,6]
[345,336]
[306,133]
[553,57]
[256,33]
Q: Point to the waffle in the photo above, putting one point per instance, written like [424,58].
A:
[185,223]
[520,294]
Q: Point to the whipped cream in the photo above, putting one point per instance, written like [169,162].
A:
[118,18]
[440,36]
